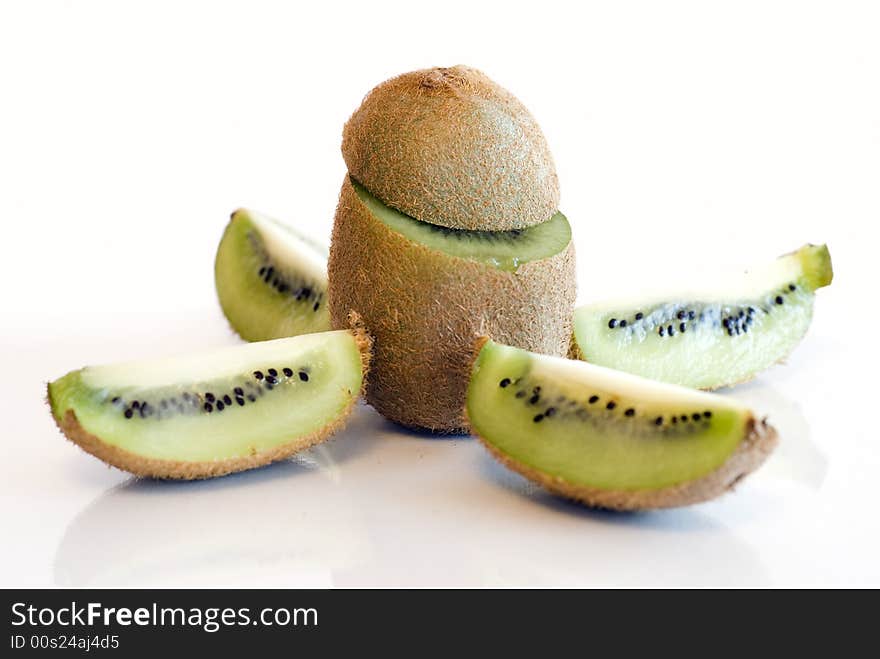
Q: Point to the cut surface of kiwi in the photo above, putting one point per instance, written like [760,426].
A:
[708,339]
[506,250]
[217,412]
[271,281]
[607,438]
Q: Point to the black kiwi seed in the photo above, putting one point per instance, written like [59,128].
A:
[239,400]
[751,310]
[684,417]
[623,323]
[272,372]
[681,315]
[209,407]
[252,398]
[262,271]
[661,331]
[315,308]
[269,272]
[534,399]
[287,372]
[303,376]
[593,399]
[135,404]
[128,414]
[629,412]
[675,419]
[227,399]
[778,299]
[238,391]
[520,394]
[681,327]
[707,414]
[658,421]
[504,383]
[612,323]
[209,397]
[283,288]
[537,418]
[114,400]
[639,315]
[670,330]
[258,375]
[692,315]
[611,405]
[792,287]
[726,323]
[220,406]
[550,411]
[695,416]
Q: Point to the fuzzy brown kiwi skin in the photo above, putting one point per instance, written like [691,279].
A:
[757,444]
[424,309]
[451,147]
[189,470]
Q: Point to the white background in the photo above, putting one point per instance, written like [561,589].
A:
[688,137]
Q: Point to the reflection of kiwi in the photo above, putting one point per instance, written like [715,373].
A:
[607,438]
[214,413]
[271,281]
[450,147]
[424,306]
[712,338]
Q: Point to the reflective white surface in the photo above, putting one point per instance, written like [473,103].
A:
[688,136]
[379,506]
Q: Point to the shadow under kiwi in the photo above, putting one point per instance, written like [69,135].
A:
[673,547]
[288,520]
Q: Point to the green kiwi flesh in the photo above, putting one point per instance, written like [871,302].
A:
[506,250]
[708,339]
[270,280]
[215,412]
[608,438]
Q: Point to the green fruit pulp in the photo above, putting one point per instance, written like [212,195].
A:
[506,250]
[708,339]
[594,427]
[171,420]
[262,303]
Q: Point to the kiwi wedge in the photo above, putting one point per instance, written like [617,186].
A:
[213,413]
[711,338]
[271,281]
[426,293]
[606,438]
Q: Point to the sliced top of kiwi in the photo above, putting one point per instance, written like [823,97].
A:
[449,146]
[506,250]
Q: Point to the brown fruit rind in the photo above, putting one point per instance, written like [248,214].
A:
[186,470]
[451,147]
[424,309]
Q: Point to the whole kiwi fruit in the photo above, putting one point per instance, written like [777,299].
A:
[447,229]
